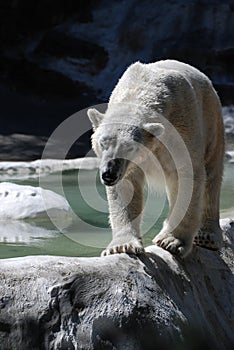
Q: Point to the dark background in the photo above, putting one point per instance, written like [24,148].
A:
[59,56]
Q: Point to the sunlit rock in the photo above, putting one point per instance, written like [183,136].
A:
[154,301]
[24,202]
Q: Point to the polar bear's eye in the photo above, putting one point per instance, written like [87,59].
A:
[103,144]
[130,148]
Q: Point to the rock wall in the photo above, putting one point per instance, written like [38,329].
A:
[58,57]
[68,48]
[120,301]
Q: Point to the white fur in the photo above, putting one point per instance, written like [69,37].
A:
[177,105]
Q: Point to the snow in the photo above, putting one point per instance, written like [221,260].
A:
[23,202]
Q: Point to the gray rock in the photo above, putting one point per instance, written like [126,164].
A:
[120,301]
[17,147]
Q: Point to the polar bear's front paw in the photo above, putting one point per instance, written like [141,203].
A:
[172,244]
[132,247]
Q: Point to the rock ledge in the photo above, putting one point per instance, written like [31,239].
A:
[120,301]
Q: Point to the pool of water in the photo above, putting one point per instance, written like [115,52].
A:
[89,232]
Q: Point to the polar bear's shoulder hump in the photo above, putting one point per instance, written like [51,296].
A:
[166,67]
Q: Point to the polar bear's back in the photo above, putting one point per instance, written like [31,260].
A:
[177,91]
[148,82]
[183,68]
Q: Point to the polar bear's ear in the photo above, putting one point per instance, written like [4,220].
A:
[156,129]
[95,117]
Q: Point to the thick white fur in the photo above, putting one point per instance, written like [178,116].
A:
[176,96]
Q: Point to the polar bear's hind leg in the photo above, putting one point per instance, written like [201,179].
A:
[210,234]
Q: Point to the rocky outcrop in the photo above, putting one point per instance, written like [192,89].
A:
[119,302]
[16,147]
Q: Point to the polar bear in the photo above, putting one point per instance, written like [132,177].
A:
[168,111]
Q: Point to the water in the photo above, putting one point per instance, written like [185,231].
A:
[89,232]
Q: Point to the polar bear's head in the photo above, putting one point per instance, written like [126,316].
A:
[119,142]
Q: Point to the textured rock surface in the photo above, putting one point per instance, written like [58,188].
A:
[30,147]
[120,301]
[78,50]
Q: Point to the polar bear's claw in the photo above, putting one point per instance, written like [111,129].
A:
[172,244]
[129,248]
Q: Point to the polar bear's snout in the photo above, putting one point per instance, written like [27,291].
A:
[112,171]
[109,178]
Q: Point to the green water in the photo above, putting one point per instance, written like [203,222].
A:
[88,232]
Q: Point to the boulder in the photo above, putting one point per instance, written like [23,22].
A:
[25,202]
[121,301]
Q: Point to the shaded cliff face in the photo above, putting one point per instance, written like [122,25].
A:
[76,51]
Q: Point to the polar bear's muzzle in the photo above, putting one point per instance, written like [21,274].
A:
[112,171]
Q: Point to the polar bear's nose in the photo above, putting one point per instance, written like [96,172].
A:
[109,177]
[111,172]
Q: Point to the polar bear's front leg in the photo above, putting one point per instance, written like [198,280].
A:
[125,206]
[177,235]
